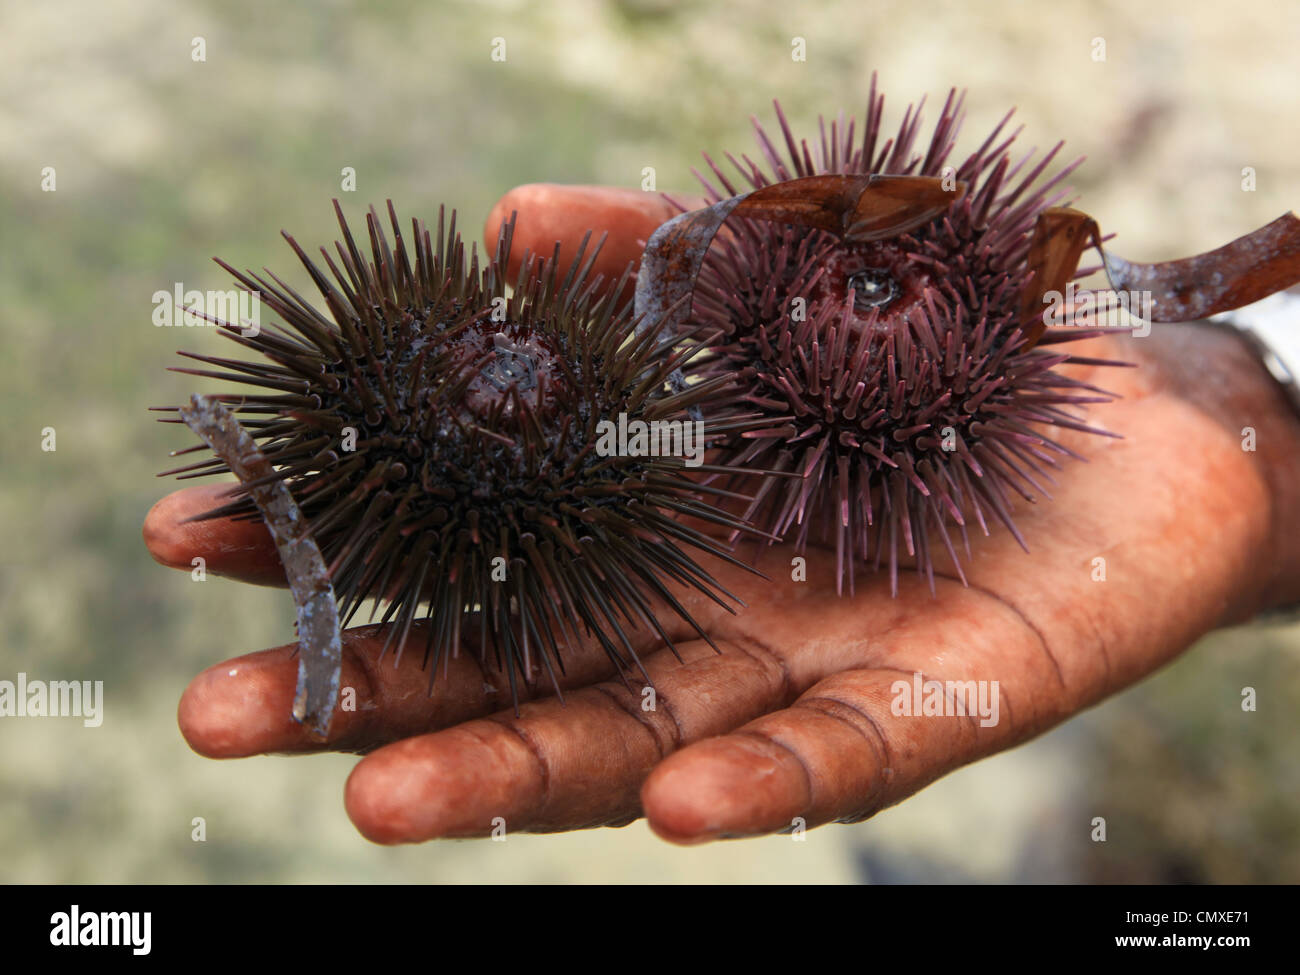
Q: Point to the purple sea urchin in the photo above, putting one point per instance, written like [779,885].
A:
[918,398]
[443,439]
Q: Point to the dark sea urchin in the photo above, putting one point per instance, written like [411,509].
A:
[443,438]
[915,396]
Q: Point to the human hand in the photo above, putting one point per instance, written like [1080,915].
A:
[793,719]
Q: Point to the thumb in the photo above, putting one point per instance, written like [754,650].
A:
[552,212]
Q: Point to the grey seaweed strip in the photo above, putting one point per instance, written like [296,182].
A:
[320,647]
[669,266]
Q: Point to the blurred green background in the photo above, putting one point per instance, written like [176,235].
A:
[163,162]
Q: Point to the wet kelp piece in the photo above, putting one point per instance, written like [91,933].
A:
[1239,273]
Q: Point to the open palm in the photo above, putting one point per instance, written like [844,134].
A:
[1158,538]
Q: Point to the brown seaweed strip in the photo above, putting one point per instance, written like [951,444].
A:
[1239,273]
[320,647]
[1061,234]
[863,208]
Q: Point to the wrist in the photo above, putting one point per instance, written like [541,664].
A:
[1215,370]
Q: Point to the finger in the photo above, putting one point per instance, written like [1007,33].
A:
[240,549]
[841,752]
[946,689]
[580,765]
[556,767]
[551,212]
[243,706]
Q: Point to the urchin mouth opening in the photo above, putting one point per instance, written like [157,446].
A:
[515,366]
[512,365]
[884,277]
[873,287]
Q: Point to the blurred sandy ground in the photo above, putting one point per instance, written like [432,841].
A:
[162,162]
